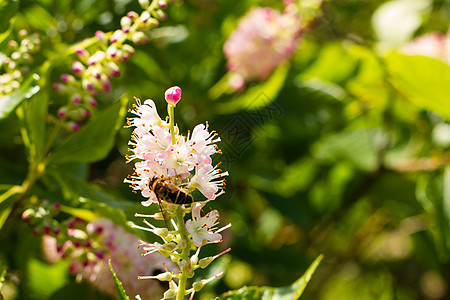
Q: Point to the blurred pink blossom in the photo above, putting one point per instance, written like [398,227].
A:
[435,45]
[90,261]
[263,40]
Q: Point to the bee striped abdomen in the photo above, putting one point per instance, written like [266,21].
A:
[167,191]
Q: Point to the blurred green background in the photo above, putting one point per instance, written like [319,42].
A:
[343,151]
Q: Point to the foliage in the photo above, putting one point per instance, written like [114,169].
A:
[343,150]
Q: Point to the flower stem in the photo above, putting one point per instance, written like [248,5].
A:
[184,254]
[171,111]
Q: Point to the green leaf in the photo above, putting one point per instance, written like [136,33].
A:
[257,96]
[8,9]
[6,203]
[32,115]
[291,292]
[361,146]
[94,140]
[9,102]
[94,198]
[424,81]
[120,290]
[45,279]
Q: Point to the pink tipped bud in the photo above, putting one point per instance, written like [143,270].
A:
[56,231]
[13,45]
[56,206]
[73,126]
[100,35]
[66,78]
[125,21]
[62,112]
[35,231]
[85,263]
[23,33]
[111,51]
[78,67]
[76,99]
[58,86]
[173,95]
[106,86]
[71,224]
[132,15]
[145,16]
[77,244]
[88,244]
[99,254]
[82,53]
[47,229]
[162,4]
[92,102]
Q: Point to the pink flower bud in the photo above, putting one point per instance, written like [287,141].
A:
[100,35]
[66,78]
[77,244]
[56,231]
[132,15]
[106,86]
[173,95]
[23,32]
[46,229]
[81,53]
[76,99]
[57,86]
[56,206]
[162,4]
[78,67]
[74,126]
[62,112]
[92,102]
[71,224]
[35,231]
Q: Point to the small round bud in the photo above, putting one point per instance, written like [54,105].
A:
[125,21]
[166,276]
[13,45]
[78,67]
[204,262]
[198,285]
[173,95]
[162,232]
[169,294]
[100,35]
[144,3]
[62,112]
[73,126]
[132,15]
[76,99]
[56,206]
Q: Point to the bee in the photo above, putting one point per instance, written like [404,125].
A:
[168,191]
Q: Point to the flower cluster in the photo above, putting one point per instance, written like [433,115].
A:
[263,40]
[16,61]
[168,154]
[89,246]
[435,45]
[170,167]
[96,66]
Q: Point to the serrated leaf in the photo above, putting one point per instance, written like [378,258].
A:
[423,80]
[95,139]
[291,292]
[120,290]
[9,102]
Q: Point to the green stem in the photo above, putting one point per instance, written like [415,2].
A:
[171,111]
[184,254]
